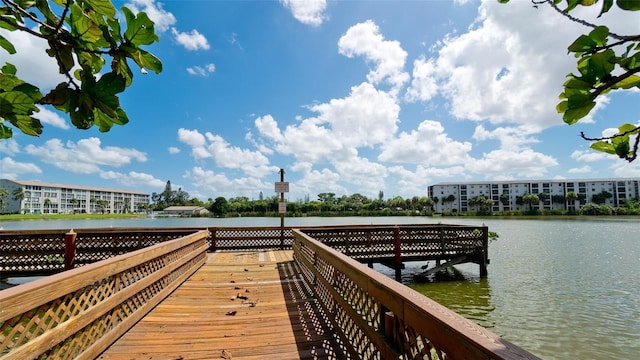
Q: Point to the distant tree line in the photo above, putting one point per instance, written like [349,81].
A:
[329,204]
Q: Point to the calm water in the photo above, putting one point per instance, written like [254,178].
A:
[562,289]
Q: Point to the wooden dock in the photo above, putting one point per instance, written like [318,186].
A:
[249,305]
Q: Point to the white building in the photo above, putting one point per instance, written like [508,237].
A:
[34,197]
[507,195]
[185,210]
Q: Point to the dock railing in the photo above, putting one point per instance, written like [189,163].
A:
[378,318]
[78,313]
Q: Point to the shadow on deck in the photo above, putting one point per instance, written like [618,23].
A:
[250,305]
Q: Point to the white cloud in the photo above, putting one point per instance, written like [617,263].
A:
[211,146]
[173,150]
[51,117]
[133,179]
[523,163]
[11,169]
[9,146]
[428,145]
[509,137]
[415,183]
[423,82]
[581,170]
[163,19]
[367,117]
[203,71]
[31,60]
[84,157]
[588,155]
[364,39]
[308,12]
[210,182]
[191,41]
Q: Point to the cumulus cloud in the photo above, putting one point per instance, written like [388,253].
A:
[162,19]
[173,150]
[87,156]
[588,155]
[191,41]
[133,179]
[33,64]
[203,71]
[215,147]
[52,118]
[364,39]
[308,12]
[525,163]
[11,169]
[581,170]
[367,117]
[9,146]
[428,145]
[211,182]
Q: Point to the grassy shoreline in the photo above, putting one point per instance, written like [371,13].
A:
[5,217]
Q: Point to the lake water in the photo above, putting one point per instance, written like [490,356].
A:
[561,289]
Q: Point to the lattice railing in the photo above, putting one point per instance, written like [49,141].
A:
[78,313]
[249,238]
[378,318]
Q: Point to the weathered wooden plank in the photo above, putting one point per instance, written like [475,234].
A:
[272,319]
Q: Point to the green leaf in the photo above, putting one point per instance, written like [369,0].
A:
[603,146]
[111,83]
[8,22]
[606,5]
[5,132]
[83,26]
[628,83]
[582,44]
[104,7]
[627,128]
[104,122]
[43,6]
[19,102]
[7,45]
[603,63]
[599,35]
[9,69]
[632,5]
[139,28]
[59,97]
[577,83]
[28,125]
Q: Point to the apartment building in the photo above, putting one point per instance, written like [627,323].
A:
[507,195]
[34,197]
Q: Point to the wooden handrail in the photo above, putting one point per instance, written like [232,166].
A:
[80,312]
[376,317]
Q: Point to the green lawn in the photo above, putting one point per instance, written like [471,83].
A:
[68,216]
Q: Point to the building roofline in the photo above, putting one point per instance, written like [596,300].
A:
[79,187]
[489,182]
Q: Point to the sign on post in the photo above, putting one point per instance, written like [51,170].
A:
[282,187]
[282,207]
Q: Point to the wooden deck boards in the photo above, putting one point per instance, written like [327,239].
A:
[279,318]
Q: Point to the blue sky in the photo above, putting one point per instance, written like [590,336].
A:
[346,96]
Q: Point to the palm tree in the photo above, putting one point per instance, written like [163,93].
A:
[571,198]
[3,194]
[530,199]
[18,193]
[47,204]
[75,203]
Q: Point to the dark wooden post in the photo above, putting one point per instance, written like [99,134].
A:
[484,260]
[214,241]
[397,252]
[69,250]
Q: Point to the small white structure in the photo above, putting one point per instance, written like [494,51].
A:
[185,210]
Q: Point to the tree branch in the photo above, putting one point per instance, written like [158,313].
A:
[614,80]
[580,21]
[634,149]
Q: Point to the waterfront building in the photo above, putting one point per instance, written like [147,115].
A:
[507,195]
[34,197]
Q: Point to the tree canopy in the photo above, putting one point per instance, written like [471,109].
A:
[83,36]
[606,61]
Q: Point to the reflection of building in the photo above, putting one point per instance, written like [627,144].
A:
[507,195]
[33,197]
[185,210]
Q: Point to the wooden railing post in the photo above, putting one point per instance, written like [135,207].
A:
[70,250]
[485,252]
[214,241]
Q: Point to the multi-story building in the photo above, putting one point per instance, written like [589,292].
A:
[34,197]
[507,195]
